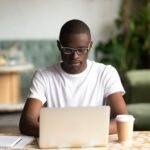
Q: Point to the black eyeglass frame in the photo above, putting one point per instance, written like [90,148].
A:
[79,51]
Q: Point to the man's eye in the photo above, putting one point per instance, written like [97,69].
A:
[80,50]
[68,50]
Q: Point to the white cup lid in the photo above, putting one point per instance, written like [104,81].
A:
[125,118]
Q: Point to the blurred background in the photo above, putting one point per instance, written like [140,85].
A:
[28,32]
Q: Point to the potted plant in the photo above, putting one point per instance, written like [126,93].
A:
[130,48]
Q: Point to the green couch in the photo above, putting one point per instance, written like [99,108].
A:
[137,86]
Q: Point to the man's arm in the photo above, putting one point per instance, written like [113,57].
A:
[117,106]
[29,121]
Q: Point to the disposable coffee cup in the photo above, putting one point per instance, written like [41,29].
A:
[125,125]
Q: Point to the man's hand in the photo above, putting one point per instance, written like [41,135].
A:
[117,106]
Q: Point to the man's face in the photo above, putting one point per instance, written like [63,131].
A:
[75,63]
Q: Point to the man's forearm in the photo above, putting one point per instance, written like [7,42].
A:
[29,128]
[112,126]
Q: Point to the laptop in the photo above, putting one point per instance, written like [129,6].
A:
[74,127]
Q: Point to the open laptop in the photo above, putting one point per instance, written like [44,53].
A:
[71,127]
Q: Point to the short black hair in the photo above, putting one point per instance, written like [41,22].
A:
[74,26]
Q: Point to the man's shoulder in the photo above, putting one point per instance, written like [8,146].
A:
[100,67]
[98,64]
[49,69]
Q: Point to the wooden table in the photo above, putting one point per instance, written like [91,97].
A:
[10,82]
[141,141]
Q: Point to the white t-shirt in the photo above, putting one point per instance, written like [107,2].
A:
[89,88]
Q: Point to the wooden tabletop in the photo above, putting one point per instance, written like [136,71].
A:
[141,140]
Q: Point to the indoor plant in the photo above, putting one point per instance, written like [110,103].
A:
[130,48]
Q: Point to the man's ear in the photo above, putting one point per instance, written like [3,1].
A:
[58,45]
[91,43]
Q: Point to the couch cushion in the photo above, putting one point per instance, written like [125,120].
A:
[138,86]
[141,112]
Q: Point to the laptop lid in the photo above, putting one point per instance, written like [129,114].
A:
[74,127]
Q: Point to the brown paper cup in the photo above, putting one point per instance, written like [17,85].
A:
[125,125]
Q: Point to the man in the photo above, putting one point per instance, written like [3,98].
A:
[76,81]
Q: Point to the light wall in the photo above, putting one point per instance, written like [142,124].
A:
[42,19]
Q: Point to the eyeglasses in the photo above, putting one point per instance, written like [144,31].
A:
[70,50]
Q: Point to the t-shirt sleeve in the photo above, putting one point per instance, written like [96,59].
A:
[37,87]
[112,81]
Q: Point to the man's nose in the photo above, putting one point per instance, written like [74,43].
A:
[75,54]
